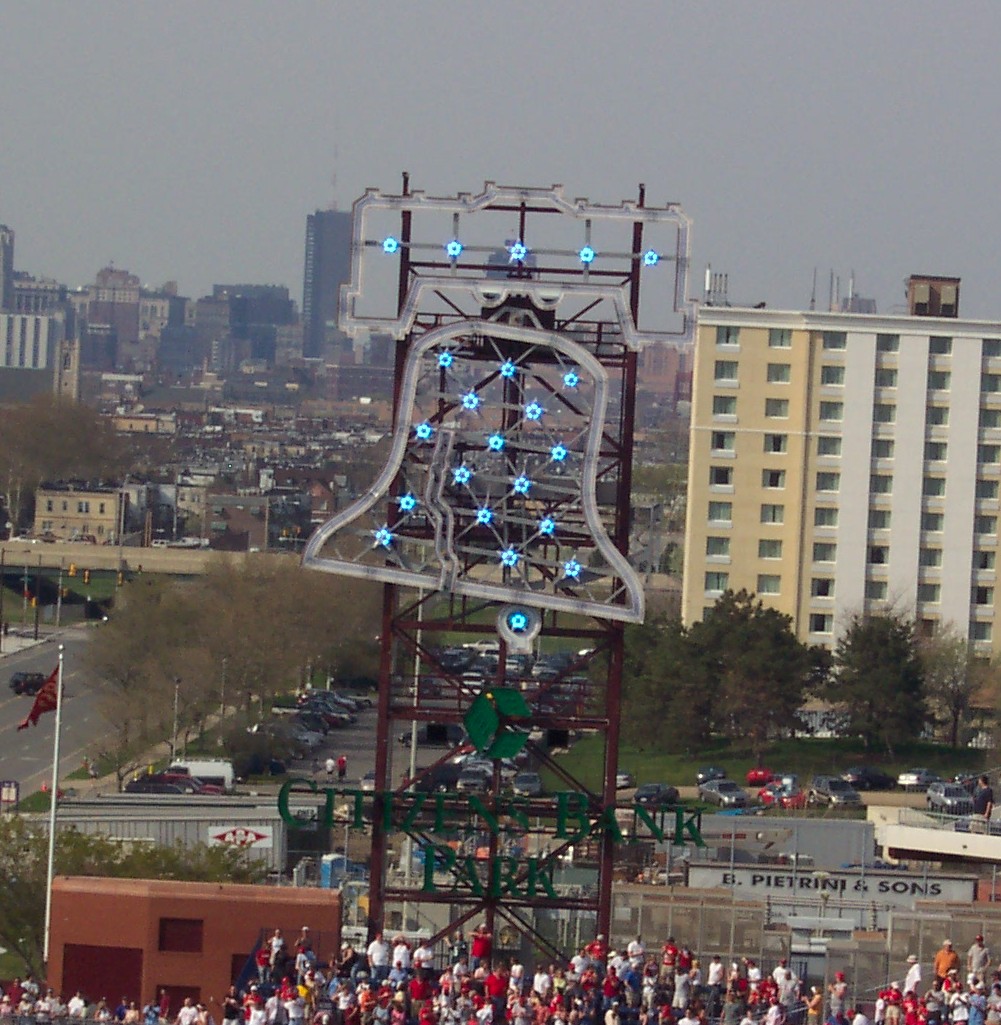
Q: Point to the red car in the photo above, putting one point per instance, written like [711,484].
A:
[759,776]
[778,795]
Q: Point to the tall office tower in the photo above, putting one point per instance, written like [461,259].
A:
[6,267]
[327,267]
[844,463]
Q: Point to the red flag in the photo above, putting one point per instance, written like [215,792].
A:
[45,700]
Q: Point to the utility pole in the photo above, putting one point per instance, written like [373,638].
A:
[59,599]
[3,587]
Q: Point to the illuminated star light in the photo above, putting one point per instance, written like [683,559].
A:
[521,485]
[496,443]
[390,245]
[424,431]
[462,475]
[518,252]
[445,360]
[571,569]
[509,557]
[558,453]
[570,379]
[518,621]
[547,526]
[471,401]
[651,258]
[533,411]
[508,369]
[454,249]
[407,503]
[484,516]
[587,255]
[383,536]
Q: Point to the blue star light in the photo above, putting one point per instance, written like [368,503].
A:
[517,621]
[471,401]
[521,485]
[496,443]
[509,557]
[508,369]
[454,249]
[518,251]
[547,526]
[570,379]
[462,475]
[484,516]
[587,255]
[407,503]
[383,536]
[390,245]
[558,453]
[571,569]
[445,360]
[651,258]
[533,411]
[424,431]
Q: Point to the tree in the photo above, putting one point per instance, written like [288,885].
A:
[952,676]
[879,679]
[24,866]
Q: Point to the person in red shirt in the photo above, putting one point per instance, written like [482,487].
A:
[611,988]
[481,947]
[597,949]
[668,960]
[420,993]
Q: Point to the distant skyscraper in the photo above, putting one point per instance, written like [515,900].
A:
[328,261]
[6,268]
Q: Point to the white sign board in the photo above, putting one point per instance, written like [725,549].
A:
[892,889]
[257,836]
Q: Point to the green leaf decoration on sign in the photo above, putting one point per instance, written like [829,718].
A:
[489,722]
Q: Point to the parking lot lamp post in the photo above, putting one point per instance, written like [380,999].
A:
[177,694]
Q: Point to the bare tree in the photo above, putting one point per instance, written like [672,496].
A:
[953,676]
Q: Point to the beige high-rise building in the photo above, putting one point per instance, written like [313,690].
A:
[843,463]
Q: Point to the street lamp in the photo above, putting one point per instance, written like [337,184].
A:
[177,694]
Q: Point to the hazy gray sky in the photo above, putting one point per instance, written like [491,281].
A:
[189,140]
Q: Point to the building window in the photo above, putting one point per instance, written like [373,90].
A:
[723,441]
[929,592]
[769,548]
[828,480]
[933,487]
[181,935]
[768,583]
[720,476]
[938,346]
[720,512]
[832,375]
[726,370]
[938,380]
[882,448]
[100,508]
[938,416]
[989,453]
[717,582]
[835,340]
[773,478]
[879,555]
[886,377]
[724,405]
[778,373]
[980,631]
[887,343]
[717,547]
[825,516]
[884,413]
[822,587]
[990,383]
[777,407]
[828,445]
[992,347]
[985,524]
[771,513]
[821,623]
[779,338]
[832,410]
[875,590]
[935,451]
[932,521]
[776,442]
[879,519]
[48,505]
[824,551]
[987,489]
[930,557]
[983,560]
[728,336]
[990,418]
[881,483]
[983,595]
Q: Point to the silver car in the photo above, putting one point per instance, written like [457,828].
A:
[723,792]
[917,779]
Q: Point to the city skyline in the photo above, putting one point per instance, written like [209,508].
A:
[192,142]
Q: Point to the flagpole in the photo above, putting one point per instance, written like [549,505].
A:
[53,801]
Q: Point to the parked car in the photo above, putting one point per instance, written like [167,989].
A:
[759,776]
[918,779]
[723,792]
[657,795]
[976,824]
[435,735]
[472,781]
[949,799]
[624,780]
[368,781]
[832,790]
[865,777]
[527,784]
[781,795]
[442,779]
[708,772]
[27,683]
[189,784]
[152,785]
[359,701]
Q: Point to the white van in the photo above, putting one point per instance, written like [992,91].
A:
[208,770]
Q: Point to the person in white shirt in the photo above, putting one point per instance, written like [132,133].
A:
[401,953]
[775,1015]
[636,953]
[187,1014]
[779,971]
[378,959]
[542,983]
[77,1007]
[912,981]
[423,959]
[860,1018]
[516,978]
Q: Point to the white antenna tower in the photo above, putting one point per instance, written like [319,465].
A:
[333,182]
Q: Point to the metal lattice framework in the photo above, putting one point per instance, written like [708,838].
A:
[517,317]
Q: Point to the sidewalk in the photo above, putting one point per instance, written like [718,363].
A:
[19,640]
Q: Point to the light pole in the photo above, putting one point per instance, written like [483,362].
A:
[177,694]
[222,692]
